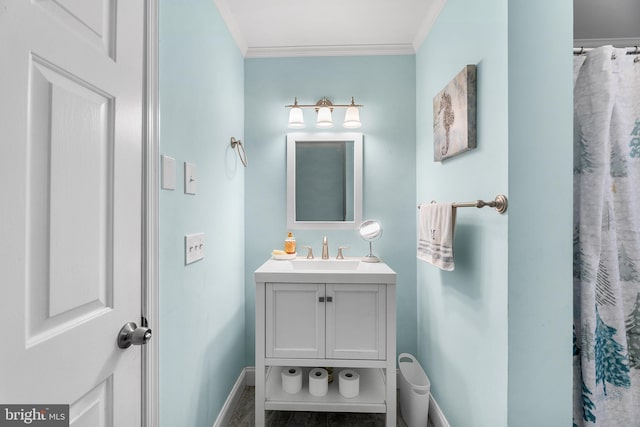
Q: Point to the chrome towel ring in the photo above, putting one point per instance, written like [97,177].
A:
[237,144]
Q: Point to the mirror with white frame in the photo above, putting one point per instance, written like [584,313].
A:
[324,180]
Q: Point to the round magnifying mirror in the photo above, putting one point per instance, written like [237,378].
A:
[370,230]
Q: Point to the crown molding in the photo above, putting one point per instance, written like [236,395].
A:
[428,22]
[232,26]
[339,50]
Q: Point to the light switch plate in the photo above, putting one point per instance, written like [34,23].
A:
[168,173]
[190,181]
[193,247]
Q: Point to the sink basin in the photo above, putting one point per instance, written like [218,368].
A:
[324,264]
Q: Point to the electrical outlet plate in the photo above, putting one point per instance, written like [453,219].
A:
[193,247]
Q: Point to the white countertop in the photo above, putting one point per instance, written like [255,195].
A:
[328,271]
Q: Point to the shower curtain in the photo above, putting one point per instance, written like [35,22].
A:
[606,334]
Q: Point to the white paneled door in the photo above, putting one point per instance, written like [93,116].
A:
[71,140]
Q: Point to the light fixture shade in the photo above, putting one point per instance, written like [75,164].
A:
[296,119]
[324,118]
[352,118]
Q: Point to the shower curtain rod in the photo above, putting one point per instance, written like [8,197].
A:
[632,50]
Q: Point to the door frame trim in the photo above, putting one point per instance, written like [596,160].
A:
[150,219]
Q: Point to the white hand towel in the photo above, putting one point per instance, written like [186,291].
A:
[435,241]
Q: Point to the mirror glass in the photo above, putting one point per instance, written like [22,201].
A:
[324,180]
[370,230]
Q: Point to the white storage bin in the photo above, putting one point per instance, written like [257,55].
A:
[414,391]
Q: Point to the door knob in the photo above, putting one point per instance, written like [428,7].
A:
[132,334]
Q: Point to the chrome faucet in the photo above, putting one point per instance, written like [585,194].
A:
[309,252]
[325,248]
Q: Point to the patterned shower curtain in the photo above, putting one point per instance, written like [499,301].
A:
[606,340]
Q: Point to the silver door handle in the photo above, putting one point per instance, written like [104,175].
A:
[131,334]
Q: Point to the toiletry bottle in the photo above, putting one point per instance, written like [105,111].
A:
[290,244]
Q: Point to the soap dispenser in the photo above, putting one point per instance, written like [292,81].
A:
[290,244]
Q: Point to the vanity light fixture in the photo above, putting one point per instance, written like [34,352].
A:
[324,108]
[296,119]
[352,116]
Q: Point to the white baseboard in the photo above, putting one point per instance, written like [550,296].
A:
[248,378]
[436,416]
[224,417]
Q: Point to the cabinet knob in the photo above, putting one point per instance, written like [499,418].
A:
[328,299]
[321,299]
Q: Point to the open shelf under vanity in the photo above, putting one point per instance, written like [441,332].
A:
[371,397]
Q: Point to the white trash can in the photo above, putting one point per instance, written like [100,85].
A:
[414,391]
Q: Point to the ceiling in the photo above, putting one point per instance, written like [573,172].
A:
[597,22]
[278,28]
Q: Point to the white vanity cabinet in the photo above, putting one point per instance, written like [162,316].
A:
[332,321]
[326,318]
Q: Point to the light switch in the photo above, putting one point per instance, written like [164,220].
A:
[168,172]
[193,247]
[190,178]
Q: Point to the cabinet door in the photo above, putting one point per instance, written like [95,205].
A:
[356,321]
[295,320]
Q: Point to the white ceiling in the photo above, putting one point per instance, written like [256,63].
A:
[276,28]
[597,22]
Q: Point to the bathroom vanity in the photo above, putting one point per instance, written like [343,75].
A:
[326,313]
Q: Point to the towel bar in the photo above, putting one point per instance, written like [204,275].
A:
[500,203]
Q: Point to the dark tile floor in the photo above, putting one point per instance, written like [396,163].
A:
[243,416]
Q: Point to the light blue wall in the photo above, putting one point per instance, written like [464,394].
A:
[202,329]
[386,86]
[463,315]
[540,218]
[494,335]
